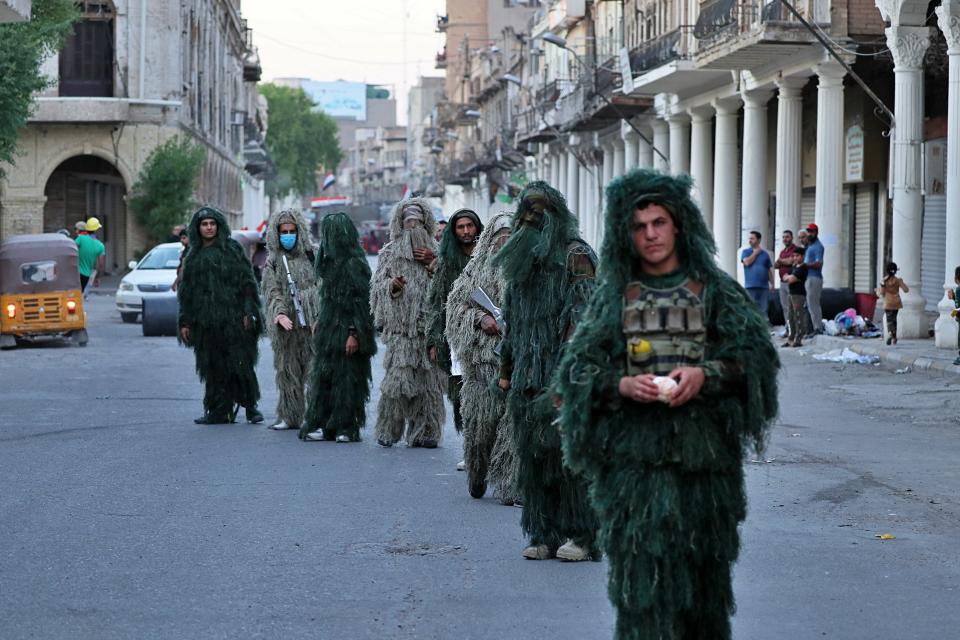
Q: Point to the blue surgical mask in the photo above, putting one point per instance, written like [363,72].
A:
[288,240]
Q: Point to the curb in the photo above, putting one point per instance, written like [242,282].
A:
[890,356]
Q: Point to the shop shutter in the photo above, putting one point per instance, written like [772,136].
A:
[808,208]
[864,212]
[933,249]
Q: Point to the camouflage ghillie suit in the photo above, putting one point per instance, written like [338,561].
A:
[340,382]
[411,394]
[487,431]
[450,264]
[548,271]
[220,307]
[292,349]
[667,482]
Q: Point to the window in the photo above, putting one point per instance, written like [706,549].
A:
[86,60]
[34,272]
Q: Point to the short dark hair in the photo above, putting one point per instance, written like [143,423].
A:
[800,250]
[786,231]
[756,233]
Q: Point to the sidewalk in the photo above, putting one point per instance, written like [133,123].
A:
[919,355]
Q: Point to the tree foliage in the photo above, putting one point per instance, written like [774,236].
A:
[300,140]
[23,48]
[163,194]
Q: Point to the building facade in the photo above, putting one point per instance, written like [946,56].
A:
[133,75]
[14,10]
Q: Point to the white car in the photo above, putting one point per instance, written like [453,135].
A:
[152,277]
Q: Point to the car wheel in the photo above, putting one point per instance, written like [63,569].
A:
[128,317]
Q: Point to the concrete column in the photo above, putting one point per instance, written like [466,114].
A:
[661,140]
[554,169]
[701,160]
[725,229]
[583,213]
[679,124]
[619,159]
[789,156]
[908,46]
[645,149]
[754,202]
[945,328]
[573,175]
[829,214]
[631,147]
[562,159]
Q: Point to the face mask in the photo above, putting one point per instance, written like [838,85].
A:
[288,240]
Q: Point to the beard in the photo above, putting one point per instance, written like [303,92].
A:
[410,239]
[531,250]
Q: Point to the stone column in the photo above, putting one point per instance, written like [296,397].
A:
[701,160]
[631,148]
[583,213]
[679,124]
[661,140]
[789,156]
[725,230]
[829,214]
[908,46]
[619,159]
[573,174]
[946,327]
[754,203]
[555,169]
[645,149]
[562,161]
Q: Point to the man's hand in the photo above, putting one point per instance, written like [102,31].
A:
[185,334]
[283,321]
[488,324]
[397,284]
[352,345]
[689,383]
[504,384]
[423,255]
[433,354]
[639,388]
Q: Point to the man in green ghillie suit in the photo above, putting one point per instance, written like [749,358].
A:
[289,247]
[474,335]
[549,274]
[456,248]
[670,376]
[220,319]
[344,339]
[411,394]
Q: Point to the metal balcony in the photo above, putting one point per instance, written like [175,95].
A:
[442,23]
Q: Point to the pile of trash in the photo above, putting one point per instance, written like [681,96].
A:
[848,323]
[846,356]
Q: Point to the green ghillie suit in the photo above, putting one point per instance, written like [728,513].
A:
[220,307]
[340,383]
[292,349]
[667,483]
[411,394]
[549,275]
[450,264]
[487,433]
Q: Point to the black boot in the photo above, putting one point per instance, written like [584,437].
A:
[210,418]
[253,415]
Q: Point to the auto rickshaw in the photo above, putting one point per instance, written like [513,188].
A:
[40,295]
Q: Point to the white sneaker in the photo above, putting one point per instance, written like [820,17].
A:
[572,552]
[538,552]
[343,438]
[316,436]
[462,465]
[280,426]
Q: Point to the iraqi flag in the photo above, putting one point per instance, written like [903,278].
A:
[407,193]
[329,181]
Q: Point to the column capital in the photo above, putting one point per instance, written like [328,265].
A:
[756,98]
[726,106]
[701,113]
[908,46]
[948,19]
[791,86]
[829,74]
[627,132]
[658,124]
[573,140]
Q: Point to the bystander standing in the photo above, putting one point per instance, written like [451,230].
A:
[813,258]
[783,264]
[757,272]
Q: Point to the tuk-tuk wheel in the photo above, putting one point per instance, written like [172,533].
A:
[80,337]
[7,341]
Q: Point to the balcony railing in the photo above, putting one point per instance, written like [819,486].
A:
[654,53]
[721,20]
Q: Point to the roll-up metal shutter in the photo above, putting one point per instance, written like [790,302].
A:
[933,249]
[808,207]
[864,214]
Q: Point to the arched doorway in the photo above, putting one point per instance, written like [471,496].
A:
[85,186]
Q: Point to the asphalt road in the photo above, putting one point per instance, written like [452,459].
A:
[120,518]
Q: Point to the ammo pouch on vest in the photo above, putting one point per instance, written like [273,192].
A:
[663,328]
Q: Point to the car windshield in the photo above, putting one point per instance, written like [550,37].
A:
[161,258]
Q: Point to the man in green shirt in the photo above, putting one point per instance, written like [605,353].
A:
[92,255]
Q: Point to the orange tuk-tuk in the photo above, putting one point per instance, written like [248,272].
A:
[40,293]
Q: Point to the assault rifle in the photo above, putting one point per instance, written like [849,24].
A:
[295,293]
[483,300]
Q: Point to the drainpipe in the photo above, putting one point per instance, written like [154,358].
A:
[143,48]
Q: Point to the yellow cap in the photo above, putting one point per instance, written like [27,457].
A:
[93,224]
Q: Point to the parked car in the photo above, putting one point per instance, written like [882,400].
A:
[152,277]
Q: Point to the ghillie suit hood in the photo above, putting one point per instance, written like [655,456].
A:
[412,385]
[450,264]
[217,291]
[667,483]
[488,432]
[340,383]
[549,273]
[291,349]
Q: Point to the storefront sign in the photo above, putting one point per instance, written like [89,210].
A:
[854,147]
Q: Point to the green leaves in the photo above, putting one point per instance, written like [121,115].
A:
[163,194]
[300,140]
[23,48]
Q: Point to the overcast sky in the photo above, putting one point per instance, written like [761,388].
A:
[356,40]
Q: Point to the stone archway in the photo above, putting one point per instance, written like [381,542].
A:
[83,186]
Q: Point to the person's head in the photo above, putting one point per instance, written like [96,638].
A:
[184,236]
[287,233]
[890,269]
[177,229]
[208,229]
[93,225]
[798,255]
[754,239]
[441,227]
[654,235]
[812,232]
[413,216]
[465,229]
[802,237]
[787,237]
[80,227]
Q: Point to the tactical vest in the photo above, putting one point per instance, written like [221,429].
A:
[663,328]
